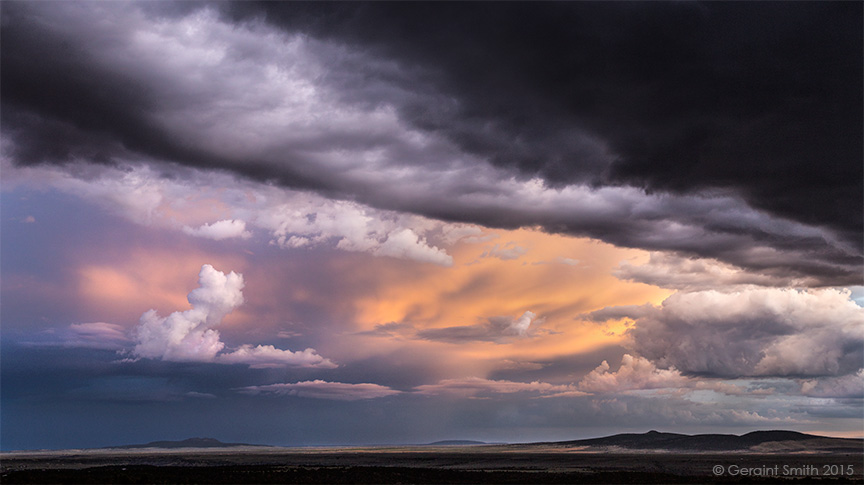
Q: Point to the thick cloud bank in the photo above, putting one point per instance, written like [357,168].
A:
[657,128]
[190,336]
[480,387]
[751,332]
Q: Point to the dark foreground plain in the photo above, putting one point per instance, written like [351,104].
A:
[445,464]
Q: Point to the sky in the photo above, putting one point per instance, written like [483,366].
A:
[390,223]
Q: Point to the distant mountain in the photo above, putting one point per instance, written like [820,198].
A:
[188,443]
[455,443]
[757,441]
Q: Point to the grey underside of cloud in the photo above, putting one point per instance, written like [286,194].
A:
[670,131]
[495,329]
[764,332]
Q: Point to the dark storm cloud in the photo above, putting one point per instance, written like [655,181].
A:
[62,103]
[761,98]
[700,105]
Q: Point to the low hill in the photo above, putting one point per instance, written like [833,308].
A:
[756,441]
[187,443]
[777,441]
[455,443]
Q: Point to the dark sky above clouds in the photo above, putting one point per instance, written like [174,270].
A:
[433,202]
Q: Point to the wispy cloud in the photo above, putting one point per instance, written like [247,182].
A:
[509,251]
[318,389]
[480,387]
[496,329]
[93,335]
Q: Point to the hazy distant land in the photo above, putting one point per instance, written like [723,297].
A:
[758,457]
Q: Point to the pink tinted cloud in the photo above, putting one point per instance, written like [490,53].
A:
[478,386]
[318,389]
[264,356]
[190,336]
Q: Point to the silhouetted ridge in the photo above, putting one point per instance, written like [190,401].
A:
[710,442]
[187,443]
[631,440]
[759,437]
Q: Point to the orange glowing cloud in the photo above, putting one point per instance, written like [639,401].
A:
[556,277]
[529,286]
[155,278]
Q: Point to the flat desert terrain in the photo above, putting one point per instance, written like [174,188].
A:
[424,464]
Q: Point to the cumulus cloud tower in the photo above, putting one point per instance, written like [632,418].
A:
[189,335]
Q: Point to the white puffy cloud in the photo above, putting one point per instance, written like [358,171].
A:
[319,389]
[638,373]
[478,387]
[264,356]
[634,373]
[406,244]
[191,336]
[750,332]
[219,230]
[308,220]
